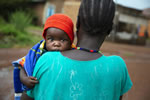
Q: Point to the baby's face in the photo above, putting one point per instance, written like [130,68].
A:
[57,40]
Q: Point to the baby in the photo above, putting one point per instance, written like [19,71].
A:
[58,36]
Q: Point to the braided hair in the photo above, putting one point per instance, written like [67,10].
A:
[96,16]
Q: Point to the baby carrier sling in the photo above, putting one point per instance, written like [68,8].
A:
[28,63]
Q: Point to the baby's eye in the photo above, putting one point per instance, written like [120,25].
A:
[51,39]
[62,40]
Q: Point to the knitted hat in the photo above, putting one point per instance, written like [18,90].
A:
[62,22]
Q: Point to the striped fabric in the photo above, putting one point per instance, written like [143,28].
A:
[28,63]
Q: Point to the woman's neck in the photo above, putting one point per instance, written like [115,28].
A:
[88,45]
[90,42]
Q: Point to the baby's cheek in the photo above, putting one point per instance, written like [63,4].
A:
[48,47]
[67,46]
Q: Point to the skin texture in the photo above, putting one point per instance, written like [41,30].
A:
[27,81]
[25,97]
[56,40]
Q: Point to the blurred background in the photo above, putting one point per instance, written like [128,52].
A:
[21,25]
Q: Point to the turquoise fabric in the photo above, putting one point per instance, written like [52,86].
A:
[62,78]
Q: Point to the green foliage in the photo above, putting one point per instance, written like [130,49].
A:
[11,36]
[2,21]
[20,20]
[8,29]
[35,28]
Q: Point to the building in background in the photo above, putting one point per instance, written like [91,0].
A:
[130,25]
[45,8]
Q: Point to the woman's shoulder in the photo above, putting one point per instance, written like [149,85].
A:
[115,58]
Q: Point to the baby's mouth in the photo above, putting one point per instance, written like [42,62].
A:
[56,49]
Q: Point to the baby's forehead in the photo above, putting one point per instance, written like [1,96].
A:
[56,32]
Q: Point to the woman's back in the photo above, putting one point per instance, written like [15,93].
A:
[69,79]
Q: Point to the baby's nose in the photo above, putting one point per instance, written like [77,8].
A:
[57,44]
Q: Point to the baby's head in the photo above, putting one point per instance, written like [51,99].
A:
[58,33]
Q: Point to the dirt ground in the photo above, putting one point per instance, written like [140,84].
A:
[137,59]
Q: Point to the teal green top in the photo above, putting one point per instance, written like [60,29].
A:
[62,78]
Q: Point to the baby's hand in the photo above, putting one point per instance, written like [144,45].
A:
[31,81]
